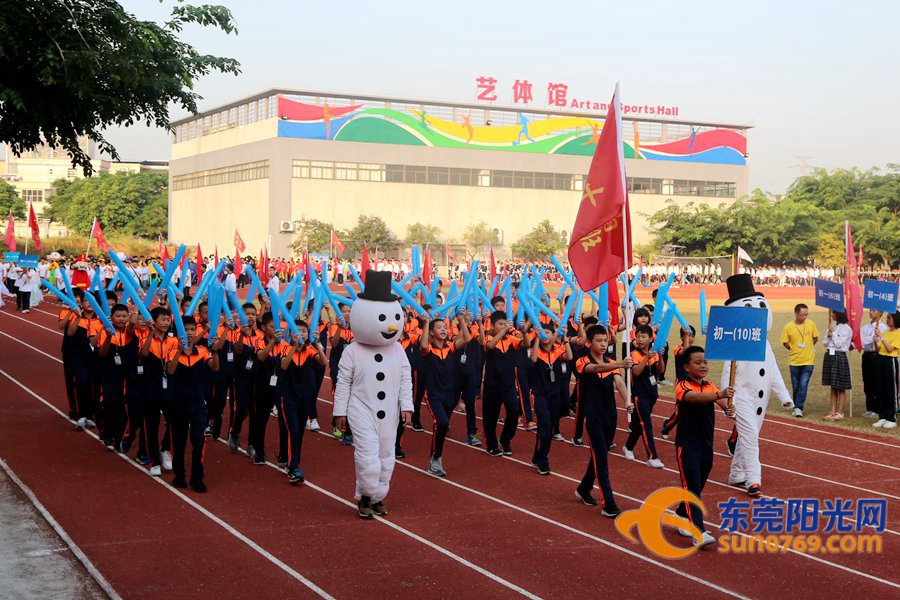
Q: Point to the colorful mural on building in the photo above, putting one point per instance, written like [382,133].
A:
[553,135]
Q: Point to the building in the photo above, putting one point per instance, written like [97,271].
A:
[262,163]
[35,172]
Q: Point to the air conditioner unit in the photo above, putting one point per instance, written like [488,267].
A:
[287,227]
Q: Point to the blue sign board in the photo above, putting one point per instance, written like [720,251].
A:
[829,295]
[29,261]
[880,295]
[11,257]
[736,333]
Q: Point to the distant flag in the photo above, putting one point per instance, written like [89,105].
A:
[364,264]
[307,275]
[637,139]
[200,264]
[238,242]
[239,248]
[851,289]
[10,238]
[448,253]
[33,224]
[164,256]
[216,266]
[742,255]
[336,242]
[493,264]
[159,248]
[426,268]
[600,243]
[97,233]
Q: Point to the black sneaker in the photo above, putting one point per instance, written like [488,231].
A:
[494,452]
[399,453]
[611,511]
[417,426]
[124,446]
[665,434]
[281,460]
[73,415]
[586,498]
[577,442]
[199,487]
[543,470]
[507,450]
[259,459]
[233,443]
[364,508]
[732,442]
[179,483]
[379,509]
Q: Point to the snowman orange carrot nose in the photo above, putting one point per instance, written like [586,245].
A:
[392,328]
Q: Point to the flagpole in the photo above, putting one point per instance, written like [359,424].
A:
[90,238]
[29,226]
[846,245]
[629,309]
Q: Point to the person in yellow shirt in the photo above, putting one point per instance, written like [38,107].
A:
[888,345]
[799,336]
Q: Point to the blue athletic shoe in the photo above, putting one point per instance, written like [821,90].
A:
[295,476]
[143,459]
[347,440]
[124,446]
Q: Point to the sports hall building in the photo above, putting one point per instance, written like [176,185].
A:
[262,163]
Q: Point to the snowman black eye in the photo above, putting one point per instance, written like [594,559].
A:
[762,305]
[382,317]
[747,304]
[397,316]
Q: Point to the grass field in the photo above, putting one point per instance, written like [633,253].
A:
[818,396]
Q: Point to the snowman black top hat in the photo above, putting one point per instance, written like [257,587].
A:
[378,287]
[739,287]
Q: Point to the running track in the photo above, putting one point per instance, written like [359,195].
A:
[493,527]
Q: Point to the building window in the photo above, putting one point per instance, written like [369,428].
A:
[232,174]
[33,195]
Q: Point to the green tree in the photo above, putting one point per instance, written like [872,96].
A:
[10,201]
[76,67]
[540,244]
[479,235]
[421,234]
[125,203]
[313,234]
[830,252]
[370,231]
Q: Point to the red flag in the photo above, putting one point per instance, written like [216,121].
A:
[852,295]
[448,253]
[10,238]
[238,242]
[612,305]
[364,264]
[33,224]
[199,264]
[336,242]
[493,264]
[238,264]
[159,248]
[307,277]
[217,257]
[164,256]
[600,245]
[97,232]
[427,268]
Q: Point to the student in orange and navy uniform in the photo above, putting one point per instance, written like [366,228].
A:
[645,393]
[441,383]
[548,359]
[134,396]
[80,328]
[409,340]
[687,340]
[581,348]
[71,357]
[243,341]
[641,316]
[118,355]
[323,335]
[299,383]
[470,362]
[267,384]
[418,373]
[157,386]
[500,385]
[223,379]
[696,398]
[340,335]
[599,384]
[188,368]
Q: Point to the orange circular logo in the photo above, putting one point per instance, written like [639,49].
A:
[652,515]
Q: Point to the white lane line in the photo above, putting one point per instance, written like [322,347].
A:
[73,547]
[224,525]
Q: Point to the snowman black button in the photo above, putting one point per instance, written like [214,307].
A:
[381,395]
[762,372]
[379,376]
[380,414]
[378,358]
[759,410]
[761,394]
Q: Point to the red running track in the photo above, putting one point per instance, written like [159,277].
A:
[493,526]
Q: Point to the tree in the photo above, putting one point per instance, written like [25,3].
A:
[313,234]
[830,252]
[125,203]
[10,200]
[76,67]
[420,234]
[479,235]
[371,231]
[540,244]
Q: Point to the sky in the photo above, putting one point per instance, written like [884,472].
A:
[816,80]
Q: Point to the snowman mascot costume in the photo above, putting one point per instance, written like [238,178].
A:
[373,391]
[753,384]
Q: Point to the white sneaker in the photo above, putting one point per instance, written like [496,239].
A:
[307,423]
[706,541]
[797,413]
[156,471]
[889,425]
[314,425]
[166,458]
[80,423]
[628,453]
[870,415]
[655,463]
[88,424]
[879,423]
[684,532]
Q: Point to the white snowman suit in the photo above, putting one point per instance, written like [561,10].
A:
[753,384]
[374,385]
